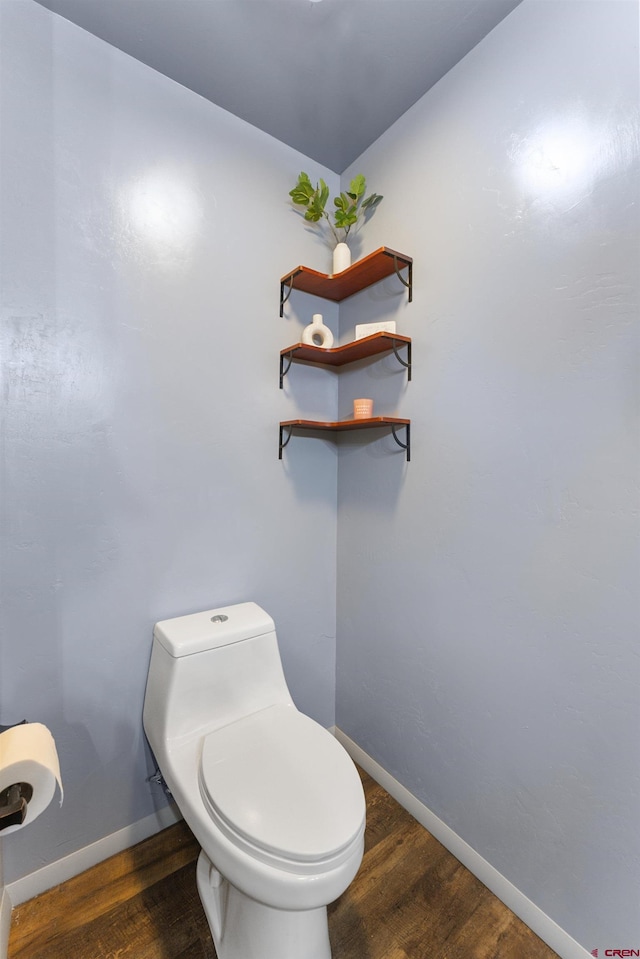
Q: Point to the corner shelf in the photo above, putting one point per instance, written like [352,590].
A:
[376,343]
[371,269]
[373,422]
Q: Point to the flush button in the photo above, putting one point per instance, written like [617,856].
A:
[220,618]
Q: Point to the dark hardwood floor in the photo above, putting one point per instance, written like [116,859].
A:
[411,900]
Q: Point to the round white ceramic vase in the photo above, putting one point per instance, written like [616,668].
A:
[317,334]
[341,258]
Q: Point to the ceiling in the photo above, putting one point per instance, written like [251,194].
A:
[326,77]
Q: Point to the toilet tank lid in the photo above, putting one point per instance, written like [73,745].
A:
[197,632]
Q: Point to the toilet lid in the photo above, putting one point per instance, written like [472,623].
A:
[280,781]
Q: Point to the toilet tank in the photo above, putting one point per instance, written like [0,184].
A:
[209,669]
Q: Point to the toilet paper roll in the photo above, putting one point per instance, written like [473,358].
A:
[28,755]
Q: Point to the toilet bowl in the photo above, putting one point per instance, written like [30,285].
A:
[273,799]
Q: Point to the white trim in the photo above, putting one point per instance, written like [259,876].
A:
[76,862]
[544,927]
[5,921]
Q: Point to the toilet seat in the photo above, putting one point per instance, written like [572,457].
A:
[281,787]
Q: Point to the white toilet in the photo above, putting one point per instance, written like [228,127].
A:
[273,799]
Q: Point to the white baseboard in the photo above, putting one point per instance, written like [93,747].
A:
[72,865]
[5,921]
[544,927]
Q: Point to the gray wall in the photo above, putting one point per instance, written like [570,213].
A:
[144,232]
[488,610]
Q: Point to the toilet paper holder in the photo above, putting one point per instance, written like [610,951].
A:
[15,798]
[13,804]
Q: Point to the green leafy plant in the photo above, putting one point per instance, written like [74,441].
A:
[349,206]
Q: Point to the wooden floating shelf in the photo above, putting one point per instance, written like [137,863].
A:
[371,269]
[349,353]
[339,426]
[337,356]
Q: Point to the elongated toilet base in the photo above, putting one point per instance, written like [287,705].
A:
[245,929]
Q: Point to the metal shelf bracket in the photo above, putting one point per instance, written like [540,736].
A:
[406,363]
[283,297]
[409,281]
[283,442]
[405,446]
[285,369]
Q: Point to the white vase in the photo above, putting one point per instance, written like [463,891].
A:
[317,334]
[341,258]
